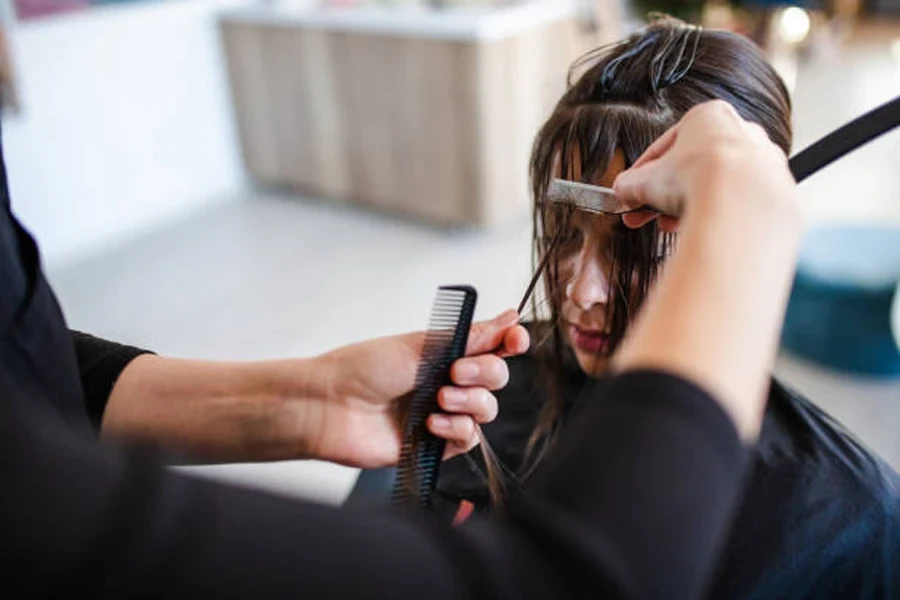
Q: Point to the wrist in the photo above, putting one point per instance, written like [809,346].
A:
[305,388]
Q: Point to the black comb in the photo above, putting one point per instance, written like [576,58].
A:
[445,341]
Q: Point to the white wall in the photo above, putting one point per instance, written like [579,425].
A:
[126,123]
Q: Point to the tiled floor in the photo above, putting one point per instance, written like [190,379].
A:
[269,275]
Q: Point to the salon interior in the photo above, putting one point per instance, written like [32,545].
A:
[252,179]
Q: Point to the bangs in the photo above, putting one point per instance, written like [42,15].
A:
[578,143]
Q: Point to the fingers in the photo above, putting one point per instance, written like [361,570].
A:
[669,224]
[502,335]
[487,336]
[465,408]
[457,430]
[515,342]
[657,178]
[483,370]
[717,111]
[637,219]
[648,185]
[486,370]
[477,403]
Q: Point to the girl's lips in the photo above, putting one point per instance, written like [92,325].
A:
[589,340]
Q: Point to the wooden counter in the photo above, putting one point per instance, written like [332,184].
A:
[428,113]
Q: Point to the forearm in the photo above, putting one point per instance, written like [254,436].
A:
[219,411]
[167,535]
[341,406]
[716,313]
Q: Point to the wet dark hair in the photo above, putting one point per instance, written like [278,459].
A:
[624,97]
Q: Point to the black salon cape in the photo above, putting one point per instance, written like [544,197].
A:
[821,515]
[80,520]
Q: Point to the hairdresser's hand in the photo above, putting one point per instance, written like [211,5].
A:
[360,423]
[709,158]
[715,314]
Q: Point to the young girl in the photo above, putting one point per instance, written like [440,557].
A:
[820,512]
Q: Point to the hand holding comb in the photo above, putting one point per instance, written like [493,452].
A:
[445,342]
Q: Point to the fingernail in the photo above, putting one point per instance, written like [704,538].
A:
[454,398]
[467,370]
[440,422]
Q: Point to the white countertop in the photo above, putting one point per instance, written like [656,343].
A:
[464,23]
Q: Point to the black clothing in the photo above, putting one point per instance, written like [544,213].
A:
[79,519]
[100,362]
[820,517]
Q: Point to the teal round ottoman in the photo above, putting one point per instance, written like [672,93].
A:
[840,310]
[895,316]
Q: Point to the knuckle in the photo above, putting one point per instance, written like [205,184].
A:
[443,397]
[722,107]
[714,109]
[479,398]
[757,128]
[759,132]
[460,370]
[491,406]
[493,370]
[476,332]
[500,374]
[463,428]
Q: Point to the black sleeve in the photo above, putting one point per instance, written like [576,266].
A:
[633,505]
[100,362]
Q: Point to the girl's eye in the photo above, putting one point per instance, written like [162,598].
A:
[570,242]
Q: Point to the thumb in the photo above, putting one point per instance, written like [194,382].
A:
[487,336]
[651,185]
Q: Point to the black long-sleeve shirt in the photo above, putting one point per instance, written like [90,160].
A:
[100,362]
[632,504]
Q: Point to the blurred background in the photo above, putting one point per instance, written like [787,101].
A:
[249,179]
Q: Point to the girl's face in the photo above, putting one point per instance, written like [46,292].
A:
[585,272]
[585,268]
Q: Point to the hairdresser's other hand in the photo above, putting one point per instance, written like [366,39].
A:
[711,150]
[360,423]
[715,314]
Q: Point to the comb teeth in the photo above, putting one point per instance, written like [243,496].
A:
[445,341]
